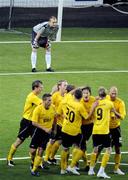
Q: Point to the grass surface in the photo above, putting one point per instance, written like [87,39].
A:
[15,58]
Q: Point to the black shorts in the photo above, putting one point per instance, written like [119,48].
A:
[116,139]
[39,139]
[58,135]
[42,41]
[86,133]
[101,140]
[68,140]
[26,129]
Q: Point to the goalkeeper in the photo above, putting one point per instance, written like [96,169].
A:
[42,34]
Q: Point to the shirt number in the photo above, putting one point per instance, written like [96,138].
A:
[99,114]
[70,115]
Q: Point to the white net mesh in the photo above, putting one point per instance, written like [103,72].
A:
[49,3]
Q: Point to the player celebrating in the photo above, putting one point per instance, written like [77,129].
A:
[43,118]
[100,132]
[55,142]
[115,130]
[87,125]
[73,112]
[26,127]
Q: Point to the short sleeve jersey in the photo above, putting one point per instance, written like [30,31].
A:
[88,106]
[73,112]
[46,30]
[56,100]
[120,108]
[102,117]
[30,104]
[44,117]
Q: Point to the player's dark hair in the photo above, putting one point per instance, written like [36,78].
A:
[102,92]
[88,88]
[36,84]
[70,87]
[78,93]
[45,96]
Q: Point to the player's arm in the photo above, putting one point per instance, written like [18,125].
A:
[37,36]
[84,114]
[54,89]
[43,128]
[54,127]
[35,42]
[122,111]
[94,105]
[113,111]
[75,88]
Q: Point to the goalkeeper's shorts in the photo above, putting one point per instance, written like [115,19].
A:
[42,41]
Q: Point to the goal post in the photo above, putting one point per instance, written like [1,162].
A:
[59,18]
[10,13]
[26,13]
[74,4]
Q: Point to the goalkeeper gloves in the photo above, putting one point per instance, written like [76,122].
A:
[48,45]
[35,44]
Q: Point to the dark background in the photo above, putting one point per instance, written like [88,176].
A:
[72,17]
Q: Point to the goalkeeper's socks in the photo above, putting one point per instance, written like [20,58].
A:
[33,59]
[48,59]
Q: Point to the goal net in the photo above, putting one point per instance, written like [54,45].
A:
[70,13]
[27,13]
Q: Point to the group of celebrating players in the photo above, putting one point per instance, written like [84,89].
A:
[68,117]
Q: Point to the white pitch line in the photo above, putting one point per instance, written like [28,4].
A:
[63,72]
[82,41]
[56,156]
[16,158]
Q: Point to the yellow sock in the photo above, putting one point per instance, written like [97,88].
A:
[74,151]
[64,157]
[117,161]
[37,162]
[11,152]
[54,149]
[84,157]
[76,156]
[41,162]
[105,159]
[48,151]
[93,159]
[66,162]
[32,157]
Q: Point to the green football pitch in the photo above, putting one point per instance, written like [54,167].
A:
[94,57]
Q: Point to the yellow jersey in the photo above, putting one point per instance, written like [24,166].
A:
[102,117]
[31,102]
[120,108]
[88,105]
[67,97]
[44,117]
[73,112]
[56,100]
